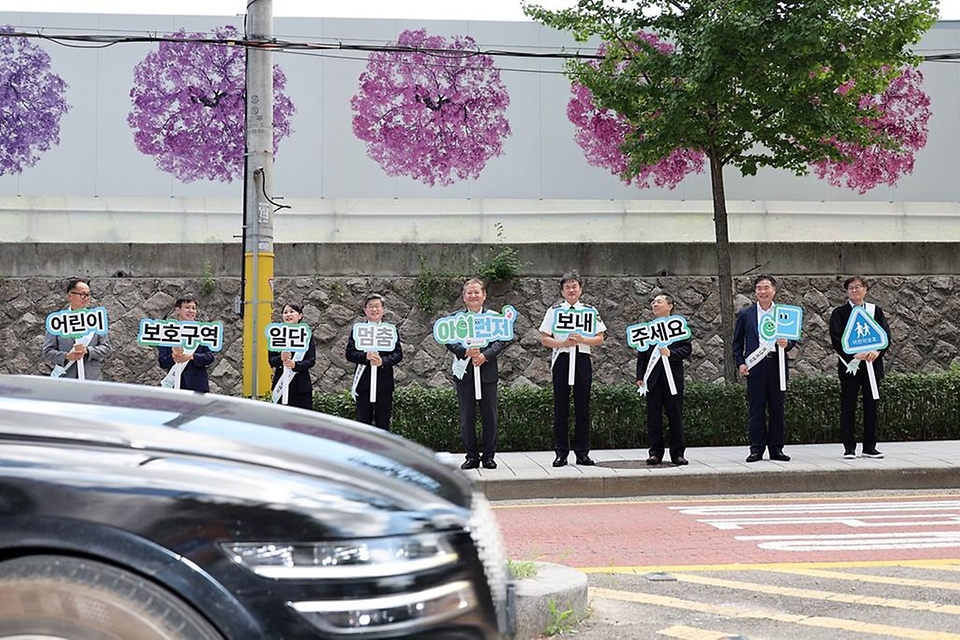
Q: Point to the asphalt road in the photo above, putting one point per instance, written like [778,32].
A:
[786,567]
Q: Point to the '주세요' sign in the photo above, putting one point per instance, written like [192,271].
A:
[187,334]
[661,332]
[475,329]
[77,323]
[283,336]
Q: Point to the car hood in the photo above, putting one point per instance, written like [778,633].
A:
[157,421]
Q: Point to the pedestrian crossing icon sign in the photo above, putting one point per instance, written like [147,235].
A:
[863,333]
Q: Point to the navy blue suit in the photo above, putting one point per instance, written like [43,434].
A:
[763,385]
[194,376]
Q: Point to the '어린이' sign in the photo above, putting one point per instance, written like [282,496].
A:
[374,336]
[863,333]
[76,323]
[283,336]
[180,333]
[661,332]
[475,329]
[582,321]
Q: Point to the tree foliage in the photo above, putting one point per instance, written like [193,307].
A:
[31,103]
[749,83]
[430,115]
[189,104]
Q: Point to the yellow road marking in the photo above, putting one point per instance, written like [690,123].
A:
[866,577]
[692,633]
[951,564]
[756,614]
[816,594]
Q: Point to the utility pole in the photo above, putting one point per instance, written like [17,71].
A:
[257,210]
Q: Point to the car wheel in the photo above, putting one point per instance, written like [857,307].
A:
[57,597]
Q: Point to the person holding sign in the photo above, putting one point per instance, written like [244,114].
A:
[571,329]
[473,364]
[373,381]
[297,390]
[654,364]
[755,351]
[860,371]
[191,364]
[76,354]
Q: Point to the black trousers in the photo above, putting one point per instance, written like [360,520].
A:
[765,397]
[375,413]
[583,380]
[468,417]
[850,387]
[302,399]
[658,400]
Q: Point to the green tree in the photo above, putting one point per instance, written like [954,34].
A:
[749,83]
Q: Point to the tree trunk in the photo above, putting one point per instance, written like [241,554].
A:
[724,276]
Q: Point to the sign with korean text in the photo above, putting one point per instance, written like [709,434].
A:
[78,322]
[660,332]
[374,336]
[475,329]
[582,321]
[283,336]
[180,333]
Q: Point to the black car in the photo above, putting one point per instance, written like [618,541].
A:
[140,513]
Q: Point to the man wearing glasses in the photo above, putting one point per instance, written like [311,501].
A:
[64,352]
[854,382]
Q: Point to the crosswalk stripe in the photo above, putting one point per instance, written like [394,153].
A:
[947,564]
[866,577]
[730,611]
[814,594]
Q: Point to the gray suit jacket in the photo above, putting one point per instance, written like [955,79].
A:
[56,348]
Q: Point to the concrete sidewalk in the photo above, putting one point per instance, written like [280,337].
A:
[722,470]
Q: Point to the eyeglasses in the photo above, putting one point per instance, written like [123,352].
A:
[855,287]
[80,294]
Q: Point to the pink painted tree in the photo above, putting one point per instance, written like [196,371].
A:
[31,103]
[601,133]
[430,115]
[189,103]
[900,115]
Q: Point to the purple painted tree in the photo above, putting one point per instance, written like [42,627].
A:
[601,133]
[901,113]
[188,107]
[428,115]
[31,103]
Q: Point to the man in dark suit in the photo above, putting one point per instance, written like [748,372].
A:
[758,362]
[659,397]
[857,383]
[376,413]
[194,376]
[474,295]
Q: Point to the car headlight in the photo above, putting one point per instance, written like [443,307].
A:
[344,560]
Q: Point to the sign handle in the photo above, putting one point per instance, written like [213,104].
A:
[476,382]
[668,371]
[872,375]
[782,362]
[81,371]
[572,368]
[373,383]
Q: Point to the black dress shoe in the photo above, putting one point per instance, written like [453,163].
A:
[780,456]
[585,461]
[489,463]
[561,461]
[653,461]
[754,457]
[470,463]
[679,461]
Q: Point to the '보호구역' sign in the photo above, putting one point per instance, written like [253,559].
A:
[180,333]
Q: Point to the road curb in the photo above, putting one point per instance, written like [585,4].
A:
[565,587]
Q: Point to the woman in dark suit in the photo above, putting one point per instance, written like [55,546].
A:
[301,387]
